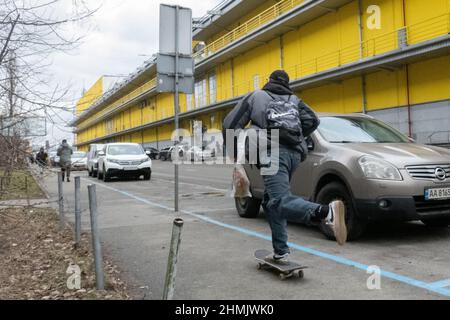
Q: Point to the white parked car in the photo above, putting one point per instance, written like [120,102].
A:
[79,161]
[124,160]
[197,154]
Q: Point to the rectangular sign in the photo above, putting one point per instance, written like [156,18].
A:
[168,33]
[25,127]
[166,83]
[166,64]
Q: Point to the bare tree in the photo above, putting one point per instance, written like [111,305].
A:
[30,32]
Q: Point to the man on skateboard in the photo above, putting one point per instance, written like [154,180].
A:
[279,203]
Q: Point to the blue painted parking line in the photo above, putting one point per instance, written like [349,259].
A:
[441,284]
[432,287]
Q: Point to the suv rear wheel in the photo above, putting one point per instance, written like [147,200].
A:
[248,207]
[337,191]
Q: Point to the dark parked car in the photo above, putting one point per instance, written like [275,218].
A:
[154,153]
[166,153]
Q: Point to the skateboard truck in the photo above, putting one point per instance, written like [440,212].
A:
[286,270]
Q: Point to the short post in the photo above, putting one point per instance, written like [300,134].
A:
[61,201]
[96,239]
[169,286]
[26,191]
[77,211]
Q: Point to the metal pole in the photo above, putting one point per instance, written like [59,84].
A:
[26,191]
[61,201]
[177,100]
[77,211]
[169,286]
[99,278]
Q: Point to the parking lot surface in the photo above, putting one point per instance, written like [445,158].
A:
[216,255]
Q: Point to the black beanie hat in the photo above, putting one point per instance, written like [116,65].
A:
[280,76]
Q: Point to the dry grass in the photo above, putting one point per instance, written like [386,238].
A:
[21,186]
[34,258]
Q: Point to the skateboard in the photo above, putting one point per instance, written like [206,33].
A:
[286,271]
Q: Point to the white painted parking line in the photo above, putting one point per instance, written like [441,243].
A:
[432,287]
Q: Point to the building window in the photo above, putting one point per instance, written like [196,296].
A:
[200,93]
[256,84]
[109,126]
[189,105]
[212,88]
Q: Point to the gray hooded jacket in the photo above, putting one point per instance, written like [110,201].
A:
[253,109]
[65,153]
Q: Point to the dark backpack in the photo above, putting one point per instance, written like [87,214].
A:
[284,116]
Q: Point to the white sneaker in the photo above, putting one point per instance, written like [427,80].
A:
[336,220]
[281,259]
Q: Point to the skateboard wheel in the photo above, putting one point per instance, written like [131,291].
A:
[260,266]
[300,274]
[285,276]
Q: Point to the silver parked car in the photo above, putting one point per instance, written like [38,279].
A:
[92,159]
[379,173]
[79,161]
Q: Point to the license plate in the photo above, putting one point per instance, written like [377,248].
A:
[130,168]
[437,194]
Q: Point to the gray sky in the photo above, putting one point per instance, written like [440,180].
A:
[116,36]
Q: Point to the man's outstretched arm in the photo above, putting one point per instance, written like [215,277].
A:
[238,118]
[310,121]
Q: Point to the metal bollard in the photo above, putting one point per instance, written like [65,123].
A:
[169,286]
[61,201]
[26,191]
[96,239]
[77,211]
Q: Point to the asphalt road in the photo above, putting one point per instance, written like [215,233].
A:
[216,254]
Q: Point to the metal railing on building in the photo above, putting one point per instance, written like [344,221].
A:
[395,40]
[261,19]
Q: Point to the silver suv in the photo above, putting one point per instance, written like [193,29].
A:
[378,172]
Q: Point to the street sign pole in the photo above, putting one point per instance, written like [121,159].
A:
[177,106]
[175,67]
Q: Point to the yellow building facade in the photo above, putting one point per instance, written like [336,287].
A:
[386,58]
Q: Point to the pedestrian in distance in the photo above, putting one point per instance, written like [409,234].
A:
[42,160]
[65,153]
[277,107]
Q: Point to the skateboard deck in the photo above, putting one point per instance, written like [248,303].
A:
[265,260]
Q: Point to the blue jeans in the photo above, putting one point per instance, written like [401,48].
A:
[281,205]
